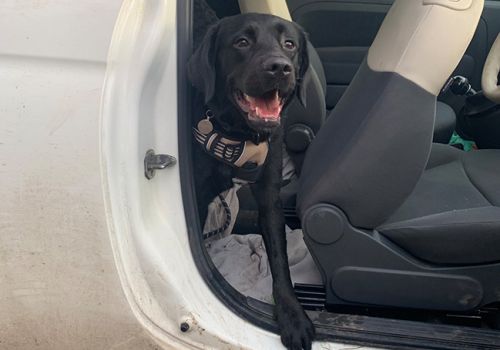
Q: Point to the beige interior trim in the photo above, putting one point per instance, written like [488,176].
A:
[452,4]
[489,81]
[424,40]
[273,7]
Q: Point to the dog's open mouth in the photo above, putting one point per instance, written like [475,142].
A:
[266,107]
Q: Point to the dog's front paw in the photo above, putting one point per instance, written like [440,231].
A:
[297,330]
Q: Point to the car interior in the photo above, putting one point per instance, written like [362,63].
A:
[402,220]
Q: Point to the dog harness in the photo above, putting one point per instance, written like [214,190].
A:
[245,157]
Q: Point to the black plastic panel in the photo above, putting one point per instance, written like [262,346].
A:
[441,292]
[340,65]
[342,32]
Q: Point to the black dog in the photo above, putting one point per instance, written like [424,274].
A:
[247,69]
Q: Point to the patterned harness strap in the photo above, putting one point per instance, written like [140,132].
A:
[229,151]
[245,157]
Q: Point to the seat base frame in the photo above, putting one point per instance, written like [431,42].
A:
[362,267]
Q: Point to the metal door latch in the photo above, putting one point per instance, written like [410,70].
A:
[153,162]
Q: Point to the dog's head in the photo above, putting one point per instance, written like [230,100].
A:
[253,63]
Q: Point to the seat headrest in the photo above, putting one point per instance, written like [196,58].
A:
[271,7]
[424,40]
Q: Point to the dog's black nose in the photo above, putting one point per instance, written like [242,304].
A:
[278,67]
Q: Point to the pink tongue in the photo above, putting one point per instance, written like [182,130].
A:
[266,108]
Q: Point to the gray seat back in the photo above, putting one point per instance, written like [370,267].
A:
[302,123]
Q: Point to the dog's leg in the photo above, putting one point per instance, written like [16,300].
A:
[297,331]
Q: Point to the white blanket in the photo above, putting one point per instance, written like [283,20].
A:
[242,259]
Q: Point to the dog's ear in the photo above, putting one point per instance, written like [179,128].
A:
[201,66]
[304,75]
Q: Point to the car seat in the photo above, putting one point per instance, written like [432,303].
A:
[389,218]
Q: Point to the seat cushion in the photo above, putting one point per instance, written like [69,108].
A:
[453,214]
[483,169]
[444,186]
[467,236]
[444,125]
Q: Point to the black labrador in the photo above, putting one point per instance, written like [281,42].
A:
[246,70]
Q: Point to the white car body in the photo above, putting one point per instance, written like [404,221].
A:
[92,254]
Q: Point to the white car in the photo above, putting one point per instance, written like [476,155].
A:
[93,254]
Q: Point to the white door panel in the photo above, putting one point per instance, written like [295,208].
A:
[59,288]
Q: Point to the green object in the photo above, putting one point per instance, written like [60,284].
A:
[466,144]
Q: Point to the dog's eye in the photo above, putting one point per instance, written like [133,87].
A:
[289,45]
[241,43]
